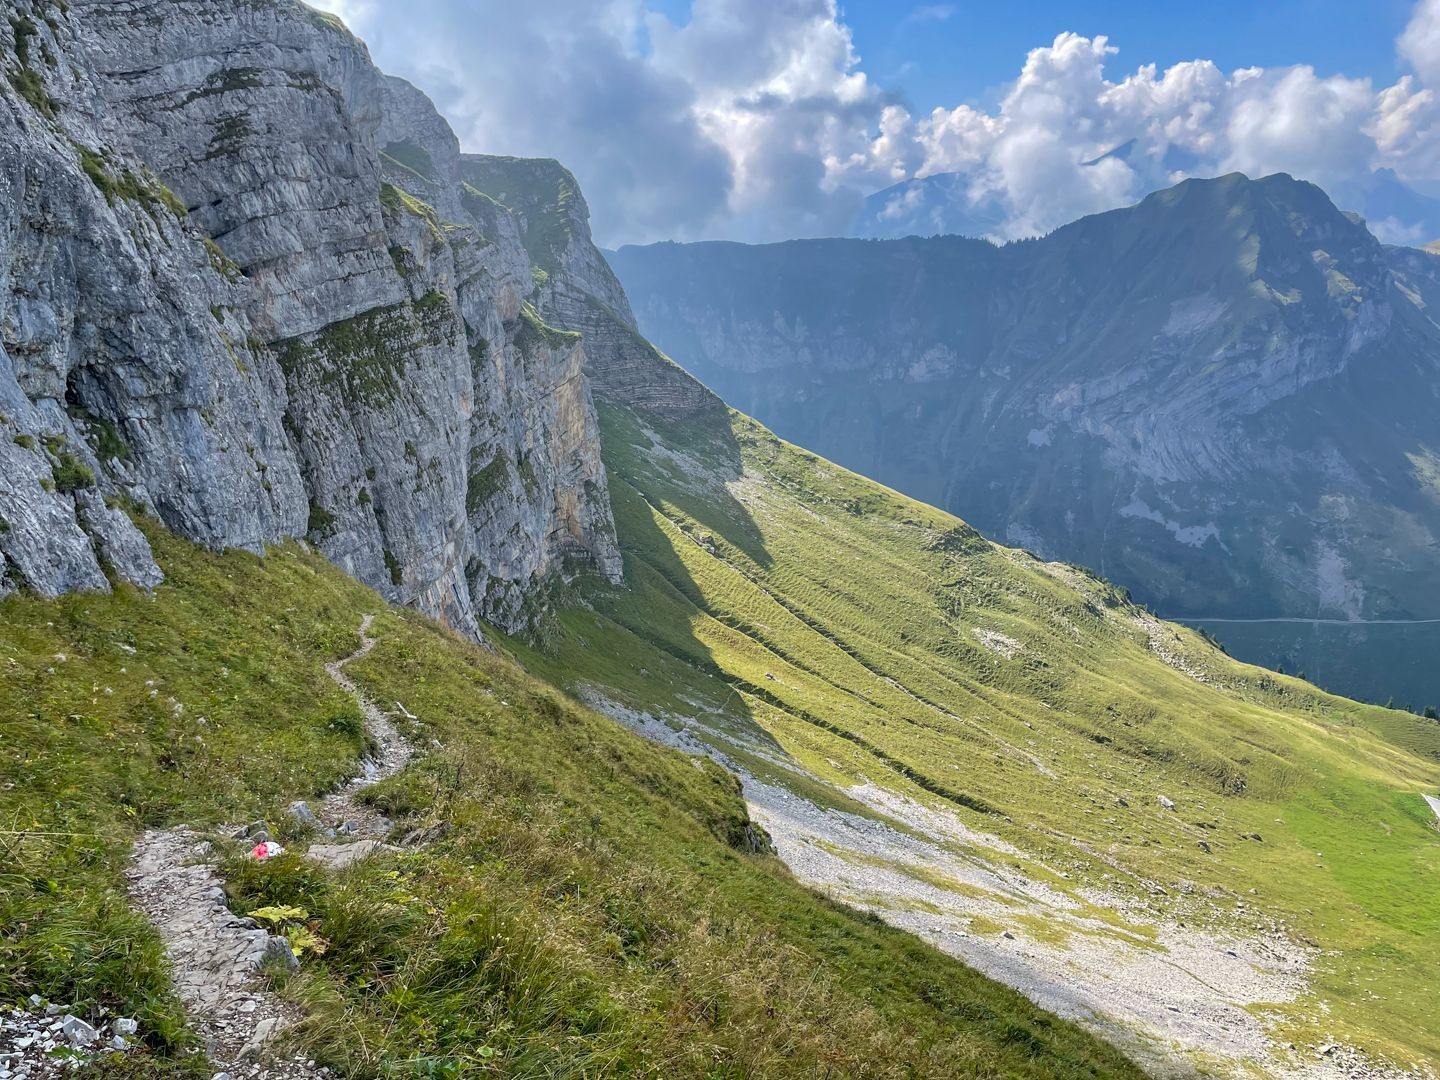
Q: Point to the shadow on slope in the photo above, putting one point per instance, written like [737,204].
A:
[911,669]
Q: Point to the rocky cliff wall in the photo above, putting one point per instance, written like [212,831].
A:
[230,296]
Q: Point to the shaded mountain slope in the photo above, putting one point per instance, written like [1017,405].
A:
[1222,398]
[1011,759]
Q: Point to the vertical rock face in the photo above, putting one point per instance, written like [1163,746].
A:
[242,285]
[576,289]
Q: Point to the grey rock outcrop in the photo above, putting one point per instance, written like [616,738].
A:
[243,288]
[575,288]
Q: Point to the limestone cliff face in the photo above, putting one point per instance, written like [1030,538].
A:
[230,296]
[576,289]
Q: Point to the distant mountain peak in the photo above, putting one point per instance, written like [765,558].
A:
[955,204]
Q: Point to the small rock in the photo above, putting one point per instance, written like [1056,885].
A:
[264,1030]
[1203,846]
[1167,802]
[277,950]
[78,1031]
[303,815]
[1008,936]
[125,1026]
[340,856]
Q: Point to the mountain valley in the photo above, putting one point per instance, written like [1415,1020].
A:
[408,670]
[1221,398]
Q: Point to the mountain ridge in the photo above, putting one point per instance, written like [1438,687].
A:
[958,204]
[1130,392]
[312,311]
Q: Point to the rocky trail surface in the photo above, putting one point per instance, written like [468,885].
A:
[215,954]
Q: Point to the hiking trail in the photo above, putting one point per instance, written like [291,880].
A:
[215,955]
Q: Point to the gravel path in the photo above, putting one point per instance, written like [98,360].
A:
[1434,804]
[214,954]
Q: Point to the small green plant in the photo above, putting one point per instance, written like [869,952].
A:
[295,926]
[487,482]
[26,80]
[321,520]
[109,445]
[223,264]
[25,31]
[149,193]
[71,474]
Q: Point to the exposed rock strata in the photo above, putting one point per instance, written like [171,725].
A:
[231,297]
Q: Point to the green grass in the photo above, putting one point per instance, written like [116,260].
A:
[413,157]
[836,622]
[146,191]
[397,201]
[588,905]
[364,359]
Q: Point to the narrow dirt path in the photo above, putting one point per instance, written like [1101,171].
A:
[214,954]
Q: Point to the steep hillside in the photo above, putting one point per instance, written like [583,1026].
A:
[251,292]
[572,900]
[1202,860]
[220,304]
[1222,398]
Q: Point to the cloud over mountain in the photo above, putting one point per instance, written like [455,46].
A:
[755,119]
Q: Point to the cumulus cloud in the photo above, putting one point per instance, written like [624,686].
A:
[755,119]
[556,78]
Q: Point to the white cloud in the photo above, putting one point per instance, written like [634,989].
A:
[1419,44]
[755,119]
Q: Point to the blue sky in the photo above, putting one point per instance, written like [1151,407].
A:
[768,119]
[964,50]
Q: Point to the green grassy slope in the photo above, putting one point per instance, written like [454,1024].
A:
[863,637]
[589,908]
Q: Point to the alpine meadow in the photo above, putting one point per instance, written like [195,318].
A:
[415,666]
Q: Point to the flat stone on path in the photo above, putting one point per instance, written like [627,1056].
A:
[340,856]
